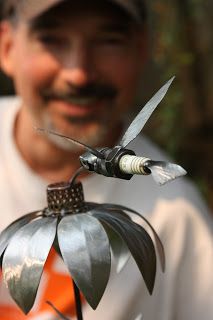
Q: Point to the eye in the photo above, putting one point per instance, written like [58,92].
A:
[52,40]
[113,39]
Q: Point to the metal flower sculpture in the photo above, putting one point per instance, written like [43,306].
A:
[83,234]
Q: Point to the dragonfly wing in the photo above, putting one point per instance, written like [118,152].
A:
[143,116]
[81,144]
[163,172]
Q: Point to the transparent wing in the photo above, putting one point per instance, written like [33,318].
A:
[139,122]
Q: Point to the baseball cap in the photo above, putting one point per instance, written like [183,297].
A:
[30,9]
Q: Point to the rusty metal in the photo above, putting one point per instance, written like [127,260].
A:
[63,198]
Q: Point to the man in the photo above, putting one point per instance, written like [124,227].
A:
[76,67]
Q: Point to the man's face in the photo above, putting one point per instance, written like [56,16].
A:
[77,69]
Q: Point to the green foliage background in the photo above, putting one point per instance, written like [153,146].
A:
[182,45]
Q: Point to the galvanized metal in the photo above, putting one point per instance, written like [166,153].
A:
[143,116]
[24,260]
[87,255]
[85,233]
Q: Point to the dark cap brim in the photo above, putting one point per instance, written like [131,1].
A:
[31,9]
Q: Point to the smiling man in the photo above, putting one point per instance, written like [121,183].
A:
[76,66]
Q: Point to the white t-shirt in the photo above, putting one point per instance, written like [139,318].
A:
[185,290]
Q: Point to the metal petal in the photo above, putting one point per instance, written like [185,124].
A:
[143,116]
[24,260]
[159,245]
[86,251]
[139,243]
[120,251]
[9,232]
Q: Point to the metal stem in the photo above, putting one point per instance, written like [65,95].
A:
[77,173]
[57,311]
[78,302]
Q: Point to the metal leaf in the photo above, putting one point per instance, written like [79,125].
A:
[86,252]
[159,245]
[139,243]
[10,231]
[143,116]
[24,260]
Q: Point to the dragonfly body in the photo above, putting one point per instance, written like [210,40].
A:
[109,164]
[122,163]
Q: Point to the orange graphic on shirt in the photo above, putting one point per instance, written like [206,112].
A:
[58,290]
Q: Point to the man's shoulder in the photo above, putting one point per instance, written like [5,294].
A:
[8,103]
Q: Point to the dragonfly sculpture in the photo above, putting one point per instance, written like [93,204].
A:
[72,225]
[120,162]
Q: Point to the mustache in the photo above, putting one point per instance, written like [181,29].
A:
[90,92]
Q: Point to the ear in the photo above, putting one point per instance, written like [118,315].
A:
[6,48]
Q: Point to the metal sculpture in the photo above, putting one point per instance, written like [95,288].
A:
[73,226]
[122,163]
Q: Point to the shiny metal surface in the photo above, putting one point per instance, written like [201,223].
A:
[143,116]
[7,234]
[163,172]
[120,251]
[158,242]
[138,241]
[85,234]
[78,143]
[24,260]
[85,249]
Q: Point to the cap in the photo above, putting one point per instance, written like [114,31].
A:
[30,9]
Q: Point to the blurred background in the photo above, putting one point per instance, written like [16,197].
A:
[181,44]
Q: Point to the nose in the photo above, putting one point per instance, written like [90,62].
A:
[79,68]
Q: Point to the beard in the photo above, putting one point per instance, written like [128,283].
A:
[86,131]
[91,130]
